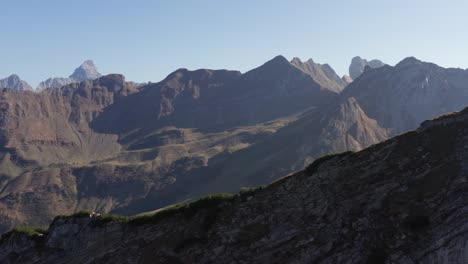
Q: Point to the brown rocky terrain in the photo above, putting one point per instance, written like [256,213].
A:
[107,145]
[400,201]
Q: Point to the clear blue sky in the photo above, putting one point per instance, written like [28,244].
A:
[145,40]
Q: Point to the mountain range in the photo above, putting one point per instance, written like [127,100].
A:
[109,145]
[86,71]
[400,201]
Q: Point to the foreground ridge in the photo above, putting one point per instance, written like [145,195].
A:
[400,201]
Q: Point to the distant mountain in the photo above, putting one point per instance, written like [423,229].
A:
[358,65]
[401,201]
[346,79]
[86,71]
[321,73]
[14,82]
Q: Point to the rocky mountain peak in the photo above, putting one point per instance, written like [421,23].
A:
[278,61]
[359,64]
[323,74]
[14,82]
[86,71]
[346,79]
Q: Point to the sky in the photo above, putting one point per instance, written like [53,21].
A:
[147,39]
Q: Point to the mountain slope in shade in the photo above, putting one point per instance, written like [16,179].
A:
[215,100]
[358,66]
[400,201]
[86,71]
[14,82]
[382,103]
[321,73]
[401,97]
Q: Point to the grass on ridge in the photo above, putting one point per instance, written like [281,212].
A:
[33,232]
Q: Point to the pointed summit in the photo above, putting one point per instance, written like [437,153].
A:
[278,60]
[86,71]
[323,74]
[14,82]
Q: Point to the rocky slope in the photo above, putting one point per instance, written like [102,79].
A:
[14,82]
[401,201]
[322,74]
[86,71]
[358,66]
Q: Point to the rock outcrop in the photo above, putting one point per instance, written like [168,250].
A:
[400,201]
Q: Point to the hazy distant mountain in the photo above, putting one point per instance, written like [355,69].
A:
[358,65]
[86,71]
[15,83]
[321,73]
[346,79]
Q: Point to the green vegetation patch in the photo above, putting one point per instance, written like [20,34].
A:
[79,214]
[33,232]
[188,209]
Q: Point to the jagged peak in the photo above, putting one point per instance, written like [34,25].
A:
[311,61]
[296,60]
[408,61]
[14,77]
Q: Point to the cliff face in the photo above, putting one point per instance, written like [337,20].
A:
[400,201]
